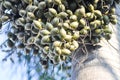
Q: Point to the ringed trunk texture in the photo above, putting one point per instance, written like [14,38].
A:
[102,63]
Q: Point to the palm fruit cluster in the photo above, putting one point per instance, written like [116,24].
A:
[54,29]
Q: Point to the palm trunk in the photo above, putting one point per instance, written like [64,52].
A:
[102,63]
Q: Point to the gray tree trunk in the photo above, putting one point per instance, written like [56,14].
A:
[102,63]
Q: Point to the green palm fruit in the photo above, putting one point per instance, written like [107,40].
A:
[73,6]
[73,17]
[4,18]
[83,32]
[28,26]
[76,35]
[7,4]
[69,12]
[30,15]
[22,13]
[31,8]
[49,26]
[107,36]
[37,24]
[31,40]
[80,12]
[63,15]
[45,39]
[98,31]
[20,21]
[42,5]
[56,60]
[98,13]
[82,22]
[65,51]
[54,31]
[91,8]
[45,32]
[57,44]
[61,8]
[55,21]
[63,32]
[34,30]
[10,44]
[74,25]
[93,25]
[106,19]
[89,15]
[52,12]
[107,30]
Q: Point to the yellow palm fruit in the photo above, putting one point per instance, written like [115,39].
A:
[63,15]
[112,10]
[98,31]
[45,32]
[58,2]
[66,25]
[91,7]
[65,51]
[4,18]
[62,32]
[82,22]
[45,39]
[30,15]
[57,44]
[73,17]
[52,12]
[75,43]
[37,24]
[80,12]
[72,48]
[98,13]
[68,37]
[61,7]
[58,50]
[89,15]
[74,25]
[69,12]
[76,35]
[46,49]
